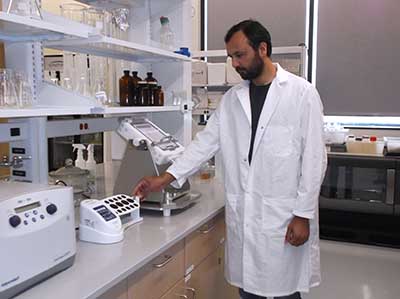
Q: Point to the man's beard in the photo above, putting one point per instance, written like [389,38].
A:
[254,70]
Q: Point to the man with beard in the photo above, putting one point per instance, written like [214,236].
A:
[269,130]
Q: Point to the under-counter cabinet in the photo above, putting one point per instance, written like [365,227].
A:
[191,268]
[154,279]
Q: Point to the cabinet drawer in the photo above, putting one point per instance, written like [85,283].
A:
[203,242]
[162,273]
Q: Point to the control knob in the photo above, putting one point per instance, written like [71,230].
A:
[14,221]
[51,209]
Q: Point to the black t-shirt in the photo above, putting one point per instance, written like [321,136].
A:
[257,99]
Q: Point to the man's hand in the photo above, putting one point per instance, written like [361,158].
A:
[298,231]
[152,184]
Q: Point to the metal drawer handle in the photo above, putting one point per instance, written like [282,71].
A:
[182,296]
[168,258]
[390,182]
[193,290]
[207,230]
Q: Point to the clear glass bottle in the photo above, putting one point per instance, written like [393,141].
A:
[167,38]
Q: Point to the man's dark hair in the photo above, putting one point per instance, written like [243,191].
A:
[255,33]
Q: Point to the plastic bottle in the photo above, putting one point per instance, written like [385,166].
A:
[79,162]
[166,35]
[91,162]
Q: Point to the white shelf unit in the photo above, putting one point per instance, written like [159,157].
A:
[25,39]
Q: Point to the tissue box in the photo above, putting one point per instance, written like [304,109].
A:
[232,76]
[199,73]
[216,73]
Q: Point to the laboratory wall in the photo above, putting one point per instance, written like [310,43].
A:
[357,71]
[285,19]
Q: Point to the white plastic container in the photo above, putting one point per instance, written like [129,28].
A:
[362,147]
[216,73]
[199,73]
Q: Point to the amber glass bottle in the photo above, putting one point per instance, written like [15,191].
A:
[135,88]
[125,89]
[150,77]
[159,96]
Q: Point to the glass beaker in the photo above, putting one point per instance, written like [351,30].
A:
[8,94]
[95,17]
[73,11]
[25,8]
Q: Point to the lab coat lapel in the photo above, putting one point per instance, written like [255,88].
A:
[244,99]
[270,105]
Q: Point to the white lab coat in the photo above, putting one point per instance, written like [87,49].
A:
[283,180]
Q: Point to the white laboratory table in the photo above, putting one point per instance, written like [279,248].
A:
[97,268]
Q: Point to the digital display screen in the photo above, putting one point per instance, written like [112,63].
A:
[105,213]
[27,207]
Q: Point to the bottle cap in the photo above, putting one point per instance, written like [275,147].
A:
[164,20]
[372,138]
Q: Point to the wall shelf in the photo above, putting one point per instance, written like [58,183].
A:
[16,28]
[146,109]
[110,4]
[39,111]
[119,49]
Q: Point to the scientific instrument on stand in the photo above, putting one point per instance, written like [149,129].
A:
[103,221]
[32,215]
[151,151]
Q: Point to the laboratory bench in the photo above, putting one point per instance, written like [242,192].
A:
[121,270]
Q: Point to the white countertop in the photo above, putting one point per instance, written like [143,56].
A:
[99,267]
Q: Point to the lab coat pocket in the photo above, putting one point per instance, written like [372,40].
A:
[288,265]
[233,216]
[234,236]
[279,141]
